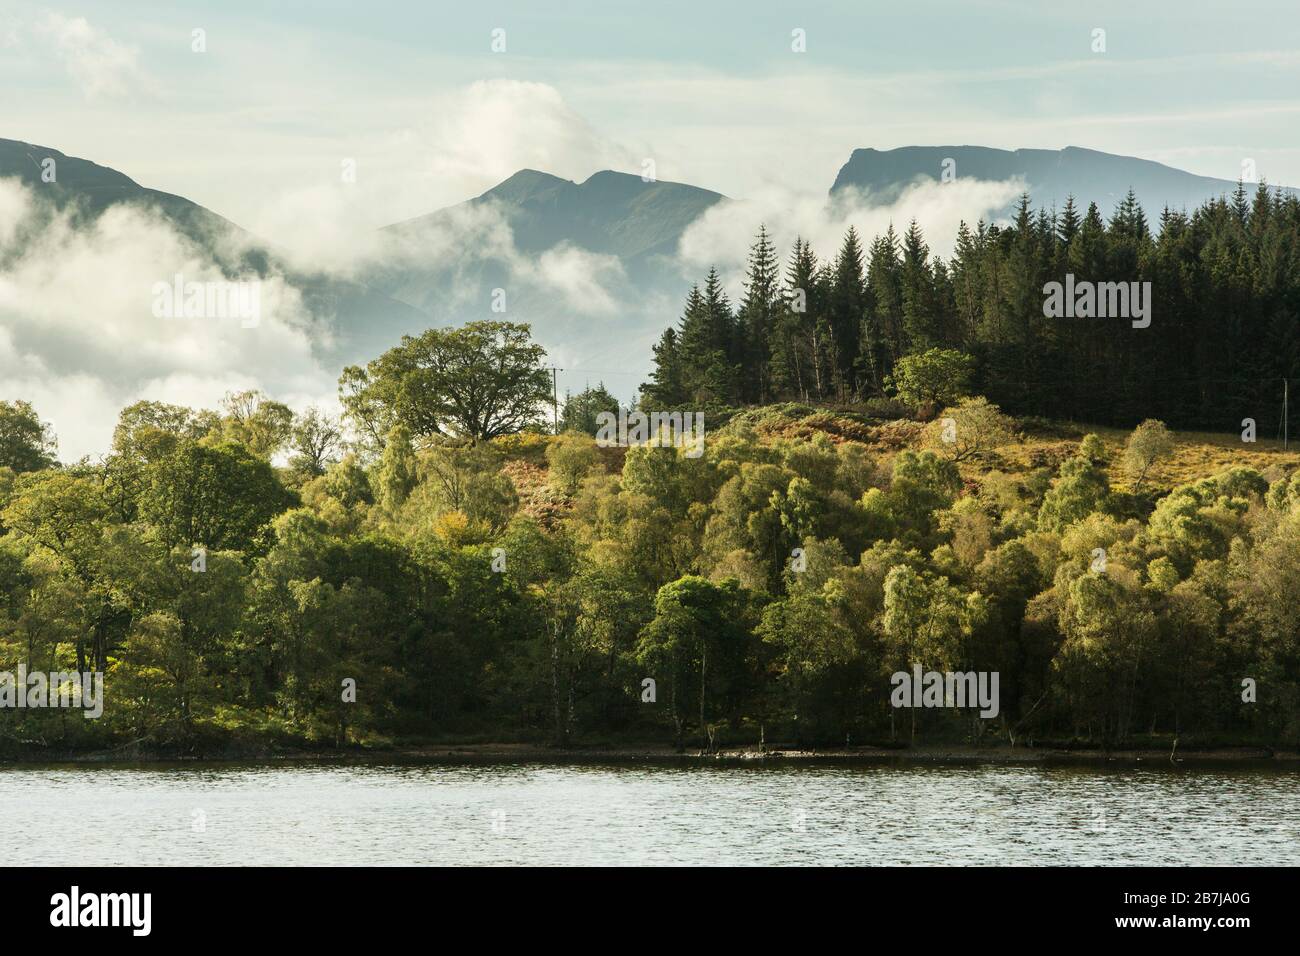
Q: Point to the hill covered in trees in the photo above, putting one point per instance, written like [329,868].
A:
[1225,299]
[525,587]
[890,480]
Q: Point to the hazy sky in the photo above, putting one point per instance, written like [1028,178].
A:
[257,126]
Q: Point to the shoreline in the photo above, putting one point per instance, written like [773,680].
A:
[665,755]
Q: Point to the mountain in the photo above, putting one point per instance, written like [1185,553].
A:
[356,321]
[87,189]
[611,213]
[1050,175]
[632,227]
[590,266]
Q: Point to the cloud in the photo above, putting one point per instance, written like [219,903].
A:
[493,128]
[461,143]
[99,64]
[583,279]
[79,336]
[723,235]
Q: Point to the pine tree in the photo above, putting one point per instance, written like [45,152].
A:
[882,334]
[796,358]
[706,345]
[666,389]
[916,286]
[757,318]
[966,284]
[1068,223]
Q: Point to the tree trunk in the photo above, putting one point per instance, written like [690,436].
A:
[705,743]
[557,707]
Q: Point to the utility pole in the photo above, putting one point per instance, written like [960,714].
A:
[555,398]
[1286,423]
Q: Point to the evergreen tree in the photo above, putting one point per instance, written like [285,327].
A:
[757,319]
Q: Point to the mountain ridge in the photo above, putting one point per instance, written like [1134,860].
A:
[1089,175]
[361,319]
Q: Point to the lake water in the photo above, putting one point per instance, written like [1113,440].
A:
[333,814]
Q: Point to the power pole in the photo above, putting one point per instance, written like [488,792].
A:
[555,398]
[1286,423]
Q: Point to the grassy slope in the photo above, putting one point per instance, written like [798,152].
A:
[1197,454]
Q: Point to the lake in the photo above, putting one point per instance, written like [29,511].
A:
[368,814]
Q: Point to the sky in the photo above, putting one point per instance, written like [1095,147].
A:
[757,100]
[713,92]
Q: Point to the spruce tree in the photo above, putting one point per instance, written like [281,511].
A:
[757,318]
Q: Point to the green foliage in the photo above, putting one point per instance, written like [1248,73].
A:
[935,376]
[882,315]
[478,381]
[1080,488]
[570,457]
[1149,443]
[769,588]
[220,497]
[314,442]
[26,443]
[973,429]
[395,477]
[259,424]
[580,411]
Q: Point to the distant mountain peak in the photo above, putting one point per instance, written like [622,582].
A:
[525,184]
[1050,175]
[610,212]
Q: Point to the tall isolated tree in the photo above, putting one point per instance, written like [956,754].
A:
[478,381]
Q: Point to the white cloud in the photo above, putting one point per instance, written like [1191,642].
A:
[723,235]
[583,279]
[79,338]
[479,135]
[99,64]
[464,142]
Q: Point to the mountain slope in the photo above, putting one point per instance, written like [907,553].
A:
[1050,175]
[356,320]
[610,213]
[583,263]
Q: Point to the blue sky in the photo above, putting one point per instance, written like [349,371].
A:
[711,91]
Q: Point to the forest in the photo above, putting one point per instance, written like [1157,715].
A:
[892,476]
[1225,280]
